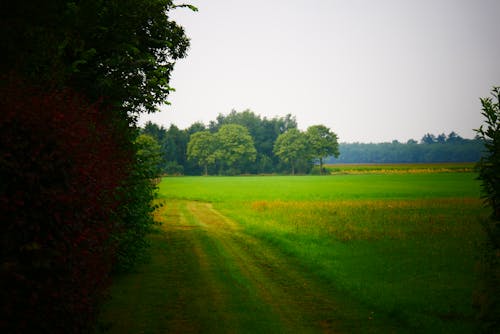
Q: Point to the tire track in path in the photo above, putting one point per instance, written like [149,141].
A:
[252,288]
[208,276]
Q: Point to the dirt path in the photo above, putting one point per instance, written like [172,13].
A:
[247,286]
[208,276]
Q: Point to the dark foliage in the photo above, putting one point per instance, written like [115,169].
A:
[61,163]
[488,296]
[489,165]
[122,51]
[75,197]
[134,215]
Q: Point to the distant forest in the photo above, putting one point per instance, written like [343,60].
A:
[173,143]
[431,148]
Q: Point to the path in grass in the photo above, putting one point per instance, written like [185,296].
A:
[208,276]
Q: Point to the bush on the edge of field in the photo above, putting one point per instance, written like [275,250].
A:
[135,214]
[61,162]
[487,298]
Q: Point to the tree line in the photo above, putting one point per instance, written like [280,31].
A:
[242,143]
[431,148]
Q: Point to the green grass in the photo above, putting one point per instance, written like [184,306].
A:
[403,244]
[336,187]
[413,260]
[182,289]
[366,252]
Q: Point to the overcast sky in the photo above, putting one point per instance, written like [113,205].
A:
[371,70]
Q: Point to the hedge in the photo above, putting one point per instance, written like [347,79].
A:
[62,163]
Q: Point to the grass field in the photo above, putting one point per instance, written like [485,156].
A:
[369,252]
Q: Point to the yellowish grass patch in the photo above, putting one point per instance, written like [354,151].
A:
[370,219]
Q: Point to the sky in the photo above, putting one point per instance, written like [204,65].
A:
[370,70]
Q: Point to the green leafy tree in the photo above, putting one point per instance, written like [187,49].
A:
[322,143]
[154,130]
[122,54]
[263,131]
[201,149]
[489,165]
[489,173]
[196,127]
[149,155]
[292,147]
[122,51]
[176,142]
[254,124]
[159,133]
[235,147]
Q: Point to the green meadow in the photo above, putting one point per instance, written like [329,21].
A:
[354,252]
[311,188]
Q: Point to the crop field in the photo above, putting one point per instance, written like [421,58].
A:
[380,252]
[400,168]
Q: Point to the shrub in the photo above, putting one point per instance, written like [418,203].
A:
[135,214]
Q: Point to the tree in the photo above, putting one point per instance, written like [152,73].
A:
[441,139]
[428,139]
[176,141]
[263,131]
[235,147]
[454,138]
[322,143]
[149,155]
[201,148]
[254,124]
[154,130]
[283,124]
[489,165]
[159,133]
[195,127]
[121,51]
[489,174]
[292,147]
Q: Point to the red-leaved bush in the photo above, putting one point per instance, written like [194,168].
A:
[62,160]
